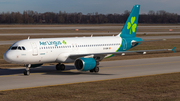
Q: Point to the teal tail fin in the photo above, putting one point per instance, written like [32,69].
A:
[130,27]
[173,49]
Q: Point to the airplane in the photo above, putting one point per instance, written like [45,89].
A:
[84,52]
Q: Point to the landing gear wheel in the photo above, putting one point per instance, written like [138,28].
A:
[92,70]
[60,67]
[26,72]
[96,69]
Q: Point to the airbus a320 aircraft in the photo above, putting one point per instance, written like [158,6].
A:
[85,52]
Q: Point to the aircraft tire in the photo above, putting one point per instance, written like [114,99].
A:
[92,70]
[62,67]
[96,69]
[58,67]
[26,72]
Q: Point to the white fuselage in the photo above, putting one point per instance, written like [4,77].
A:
[50,50]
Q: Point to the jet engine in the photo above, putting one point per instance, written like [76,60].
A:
[85,64]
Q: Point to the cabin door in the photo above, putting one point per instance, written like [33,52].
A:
[124,44]
[34,49]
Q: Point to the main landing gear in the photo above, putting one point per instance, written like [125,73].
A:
[26,72]
[60,66]
[96,69]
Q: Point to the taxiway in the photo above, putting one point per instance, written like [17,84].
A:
[47,75]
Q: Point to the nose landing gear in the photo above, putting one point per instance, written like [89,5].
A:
[27,72]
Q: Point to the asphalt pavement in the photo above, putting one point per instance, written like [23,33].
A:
[47,75]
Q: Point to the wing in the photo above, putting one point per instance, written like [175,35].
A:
[73,56]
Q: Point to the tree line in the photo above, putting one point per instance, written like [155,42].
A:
[33,17]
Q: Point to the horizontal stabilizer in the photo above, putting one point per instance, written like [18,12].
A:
[136,42]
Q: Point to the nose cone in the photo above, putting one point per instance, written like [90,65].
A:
[7,57]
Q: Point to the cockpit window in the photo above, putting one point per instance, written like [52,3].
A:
[23,48]
[14,48]
[19,48]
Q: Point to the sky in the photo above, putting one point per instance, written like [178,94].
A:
[89,6]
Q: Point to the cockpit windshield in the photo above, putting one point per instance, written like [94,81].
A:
[17,48]
[14,48]
[23,48]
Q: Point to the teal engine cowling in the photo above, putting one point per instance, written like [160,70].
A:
[85,64]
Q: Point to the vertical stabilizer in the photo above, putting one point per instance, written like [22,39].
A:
[130,27]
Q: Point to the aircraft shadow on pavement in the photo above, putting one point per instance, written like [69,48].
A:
[74,73]
[47,70]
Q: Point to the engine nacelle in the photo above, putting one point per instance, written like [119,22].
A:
[85,64]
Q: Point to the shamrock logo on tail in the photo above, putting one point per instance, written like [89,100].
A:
[131,25]
[64,42]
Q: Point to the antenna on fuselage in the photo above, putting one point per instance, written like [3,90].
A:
[28,37]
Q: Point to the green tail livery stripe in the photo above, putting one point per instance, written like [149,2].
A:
[111,55]
[116,50]
[120,45]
